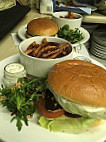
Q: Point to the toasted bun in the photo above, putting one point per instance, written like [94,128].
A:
[98,122]
[28,36]
[42,27]
[79,81]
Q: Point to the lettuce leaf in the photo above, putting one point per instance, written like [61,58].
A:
[66,124]
[75,108]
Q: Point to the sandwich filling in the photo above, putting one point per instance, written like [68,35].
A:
[80,89]
[58,117]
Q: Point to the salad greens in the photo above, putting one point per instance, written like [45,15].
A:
[66,124]
[21,100]
[71,35]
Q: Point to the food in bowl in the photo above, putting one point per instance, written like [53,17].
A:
[70,15]
[48,50]
[73,23]
[40,66]
[67,3]
[41,27]
[72,35]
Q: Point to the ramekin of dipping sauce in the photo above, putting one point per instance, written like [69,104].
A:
[12,72]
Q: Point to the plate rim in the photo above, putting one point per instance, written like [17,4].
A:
[19,32]
[21,135]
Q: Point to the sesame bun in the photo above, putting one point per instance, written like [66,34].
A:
[41,27]
[79,81]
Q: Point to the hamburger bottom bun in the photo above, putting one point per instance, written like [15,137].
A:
[42,27]
[28,35]
[98,122]
[80,82]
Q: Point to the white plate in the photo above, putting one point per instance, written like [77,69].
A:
[22,32]
[97,44]
[98,54]
[99,51]
[22,35]
[34,132]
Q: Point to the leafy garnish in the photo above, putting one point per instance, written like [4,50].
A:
[21,100]
[71,35]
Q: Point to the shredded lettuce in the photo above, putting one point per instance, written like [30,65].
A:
[66,124]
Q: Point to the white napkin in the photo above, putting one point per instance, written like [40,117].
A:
[83,10]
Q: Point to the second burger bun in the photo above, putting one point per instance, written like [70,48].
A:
[41,27]
[80,82]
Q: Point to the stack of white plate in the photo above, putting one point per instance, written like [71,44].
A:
[98,43]
[90,27]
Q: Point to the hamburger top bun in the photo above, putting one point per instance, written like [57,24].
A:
[80,82]
[42,27]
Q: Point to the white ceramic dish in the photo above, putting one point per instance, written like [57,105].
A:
[98,50]
[22,32]
[22,35]
[34,132]
[73,23]
[39,66]
[100,47]
[98,54]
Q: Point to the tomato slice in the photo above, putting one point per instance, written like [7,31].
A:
[48,113]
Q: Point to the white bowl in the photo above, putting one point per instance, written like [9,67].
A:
[73,23]
[39,66]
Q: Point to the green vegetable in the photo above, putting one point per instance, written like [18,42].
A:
[22,101]
[66,124]
[71,35]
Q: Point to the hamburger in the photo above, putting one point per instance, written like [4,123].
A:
[76,97]
[41,27]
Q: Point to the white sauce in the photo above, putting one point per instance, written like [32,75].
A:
[14,68]
[12,72]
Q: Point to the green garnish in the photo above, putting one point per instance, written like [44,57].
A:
[22,99]
[71,35]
